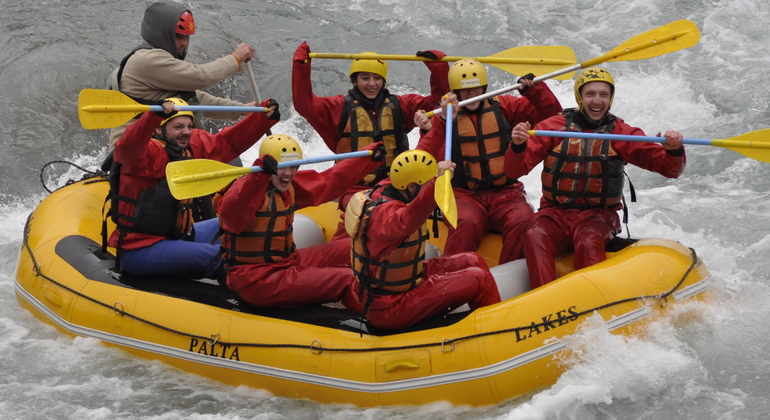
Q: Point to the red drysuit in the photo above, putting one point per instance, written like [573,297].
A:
[447,282]
[555,230]
[312,275]
[501,208]
[324,113]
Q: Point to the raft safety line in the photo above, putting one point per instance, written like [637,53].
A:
[91,174]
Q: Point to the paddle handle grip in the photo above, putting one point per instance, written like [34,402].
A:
[341,156]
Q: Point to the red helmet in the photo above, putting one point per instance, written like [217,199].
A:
[186,25]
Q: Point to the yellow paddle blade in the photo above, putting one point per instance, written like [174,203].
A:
[534,59]
[445,198]
[99,108]
[755,145]
[674,36]
[200,177]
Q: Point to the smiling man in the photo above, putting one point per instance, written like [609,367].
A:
[486,198]
[155,235]
[583,178]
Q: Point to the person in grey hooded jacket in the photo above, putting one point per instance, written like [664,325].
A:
[156,69]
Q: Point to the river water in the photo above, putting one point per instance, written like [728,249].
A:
[703,361]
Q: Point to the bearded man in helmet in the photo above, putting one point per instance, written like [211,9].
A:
[368,113]
[487,199]
[389,230]
[583,178]
[155,235]
[256,213]
[156,69]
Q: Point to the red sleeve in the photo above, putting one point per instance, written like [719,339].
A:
[230,142]
[312,188]
[323,114]
[393,221]
[439,86]
[434,140]
[135,152]
[242,201]
[535,149]
[537,104]
[650,156]
[439,80]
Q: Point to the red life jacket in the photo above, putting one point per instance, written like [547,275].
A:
[583,173]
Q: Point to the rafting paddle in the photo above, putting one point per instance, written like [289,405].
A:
[668,38]
[254,89]
[101,108]
[518,60]
[198,177]
[755,145]
[443,194]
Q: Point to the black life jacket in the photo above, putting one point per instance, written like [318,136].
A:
[156,211]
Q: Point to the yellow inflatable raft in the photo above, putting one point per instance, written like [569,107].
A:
[326,353]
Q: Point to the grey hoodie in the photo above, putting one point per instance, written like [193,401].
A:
[159,25]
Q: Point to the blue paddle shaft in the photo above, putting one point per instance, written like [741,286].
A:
[341,156]
[601,136]
[448,144]
[212,108]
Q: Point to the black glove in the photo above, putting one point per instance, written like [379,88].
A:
[269,165]
[161,113]
[379,152]
[528,77]
[427,54]
[276,115]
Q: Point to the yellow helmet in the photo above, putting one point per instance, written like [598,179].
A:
[178,102]
[593,74]
[467,73]
[369,66]
[282,147]
[416,166]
